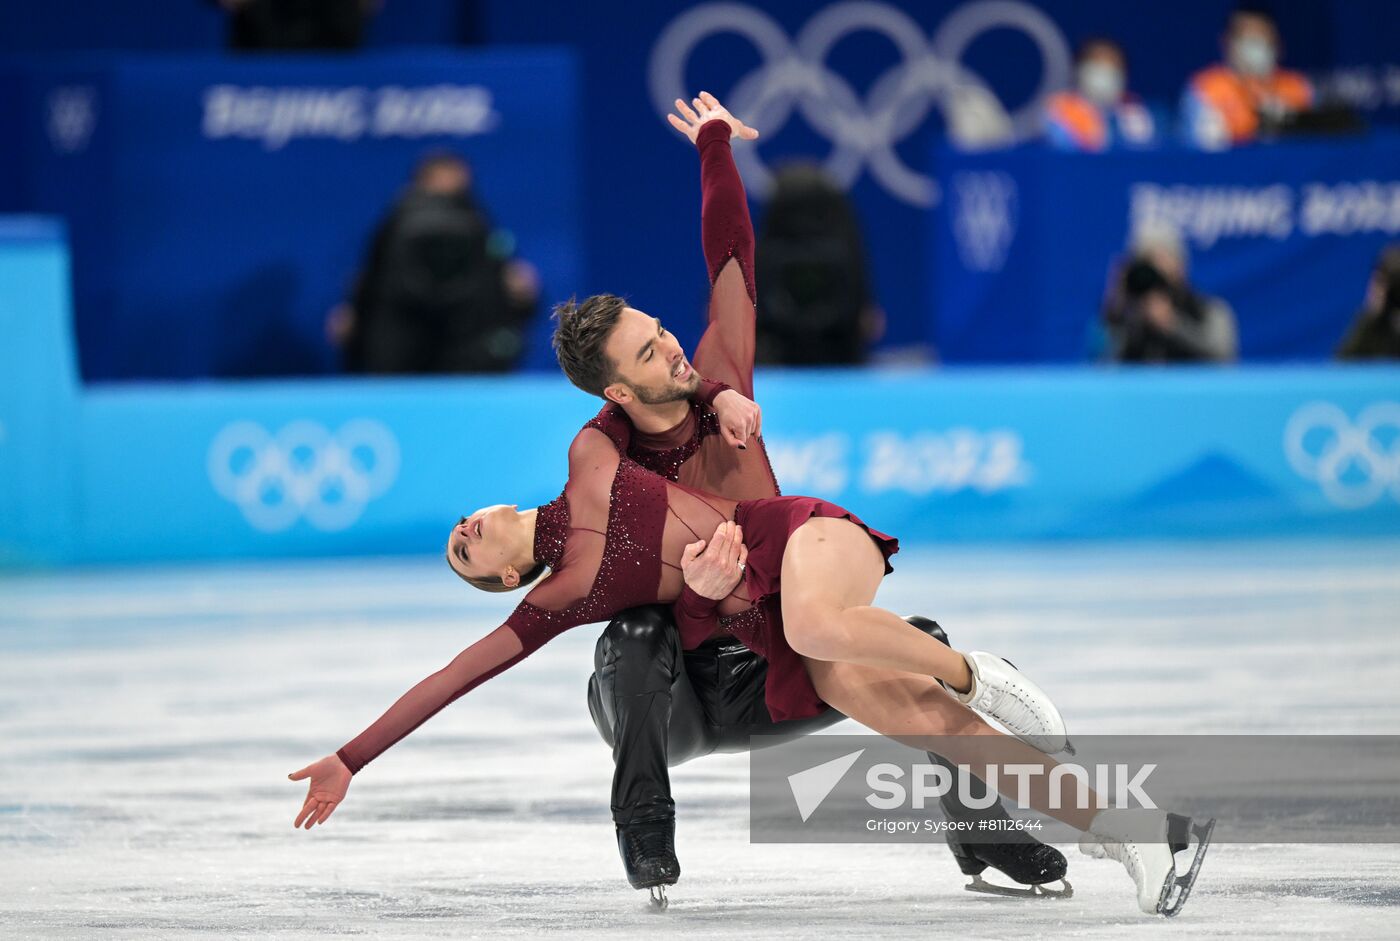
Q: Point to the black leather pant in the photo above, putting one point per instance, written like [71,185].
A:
[659,706]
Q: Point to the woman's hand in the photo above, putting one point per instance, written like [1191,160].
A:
[706,108]
[739,418]
[330,779]
[713,571]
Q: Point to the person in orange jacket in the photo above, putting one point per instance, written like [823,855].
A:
[1099,113]
[1231,103]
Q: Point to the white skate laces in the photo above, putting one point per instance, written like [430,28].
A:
[1145,842]
[1001,691]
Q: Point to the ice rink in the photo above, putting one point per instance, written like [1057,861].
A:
[150,718]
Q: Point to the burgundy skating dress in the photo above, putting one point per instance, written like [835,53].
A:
[614,538]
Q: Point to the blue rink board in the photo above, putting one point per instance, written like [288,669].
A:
[189,471]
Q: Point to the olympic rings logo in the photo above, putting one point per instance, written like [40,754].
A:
[1354,463]
[303,471]
[794,78]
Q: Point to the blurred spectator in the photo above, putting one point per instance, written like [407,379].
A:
[438,291]
[1154,315]
[1375,334]
[1247,95]
[814,303]
[297,24]
[1099,113]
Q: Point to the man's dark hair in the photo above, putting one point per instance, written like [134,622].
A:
[581,332]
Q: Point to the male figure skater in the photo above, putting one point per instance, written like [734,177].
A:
[655,704]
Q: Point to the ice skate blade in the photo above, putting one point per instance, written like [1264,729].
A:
[1177,888]
[659,901]
[978,884]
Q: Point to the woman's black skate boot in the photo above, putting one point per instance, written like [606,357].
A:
[649,855]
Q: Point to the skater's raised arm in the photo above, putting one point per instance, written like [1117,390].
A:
[725,352]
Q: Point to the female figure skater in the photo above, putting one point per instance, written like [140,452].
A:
[620,535]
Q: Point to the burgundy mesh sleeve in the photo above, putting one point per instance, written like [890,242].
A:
[496,652]
[567,597]
[725,351]
[696,617]
[563,600]
[726,231]
[709,388]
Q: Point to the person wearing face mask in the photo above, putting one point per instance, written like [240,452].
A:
[1099,113]
[1244,97]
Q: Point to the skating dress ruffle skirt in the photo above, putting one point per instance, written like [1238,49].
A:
[767,525]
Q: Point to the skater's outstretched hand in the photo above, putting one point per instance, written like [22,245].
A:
[689,117]
[739,418]
[330,779]
[714,570]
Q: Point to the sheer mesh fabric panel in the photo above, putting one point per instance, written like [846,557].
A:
[725,352]
[593,460]
[497,651]
[692,516]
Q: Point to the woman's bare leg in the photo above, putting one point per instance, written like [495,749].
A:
[909,707]
[831,570]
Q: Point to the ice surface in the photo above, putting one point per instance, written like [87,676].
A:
[150,716]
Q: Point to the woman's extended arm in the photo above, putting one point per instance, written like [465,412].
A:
[330,777]
[495,653]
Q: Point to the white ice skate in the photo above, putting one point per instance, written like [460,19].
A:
[1000,690]
[1145,842]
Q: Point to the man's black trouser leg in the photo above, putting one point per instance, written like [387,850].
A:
[659,706]
[643,706]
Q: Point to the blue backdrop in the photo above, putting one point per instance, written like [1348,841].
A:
[220,207]
[188,471]
[1286,234]
[218,256]
[68,25]
[823,80]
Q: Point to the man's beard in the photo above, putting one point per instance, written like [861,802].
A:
[663,395]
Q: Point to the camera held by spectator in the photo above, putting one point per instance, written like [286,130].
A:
[1375,333]
[1154,315]
[439,291]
